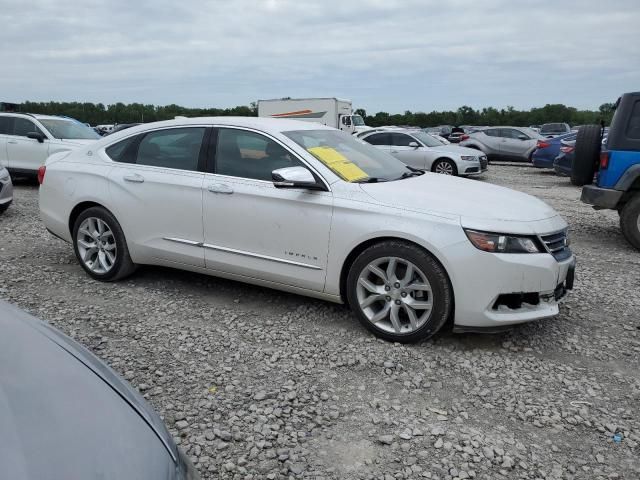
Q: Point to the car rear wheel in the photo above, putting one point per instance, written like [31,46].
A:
[100,245]
[445,167]
[630,221]
[587,155]
[399,292]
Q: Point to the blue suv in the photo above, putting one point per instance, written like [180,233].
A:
[610,173]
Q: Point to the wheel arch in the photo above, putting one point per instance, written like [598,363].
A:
[81,207]
[362,246]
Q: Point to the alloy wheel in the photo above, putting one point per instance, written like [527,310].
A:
[394,295]
[96,245]
[444,168]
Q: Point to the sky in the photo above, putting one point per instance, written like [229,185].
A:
[384,55]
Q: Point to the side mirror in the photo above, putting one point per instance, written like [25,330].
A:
[36,136]
[414,144]
[523,137]
[294,177]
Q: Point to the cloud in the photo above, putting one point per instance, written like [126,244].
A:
[383,54]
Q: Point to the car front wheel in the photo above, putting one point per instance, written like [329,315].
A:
[445,167]
[399,292]
[100,245]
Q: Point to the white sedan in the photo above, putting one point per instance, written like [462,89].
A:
[420,150]
[309,209]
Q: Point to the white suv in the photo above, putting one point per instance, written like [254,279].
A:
[27,140]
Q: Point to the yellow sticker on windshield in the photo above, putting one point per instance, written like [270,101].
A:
[338,163]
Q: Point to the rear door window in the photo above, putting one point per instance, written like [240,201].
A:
[378,139]
[6,125]
[177,148]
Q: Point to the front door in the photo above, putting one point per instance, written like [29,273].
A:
[413,156]
[156,192]
[25,154]
[254,229]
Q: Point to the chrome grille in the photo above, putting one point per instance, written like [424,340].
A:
[557,244]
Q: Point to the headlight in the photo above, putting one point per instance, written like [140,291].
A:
[468,158]
[500,243]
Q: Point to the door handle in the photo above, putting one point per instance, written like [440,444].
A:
[135,178]
[12,142]
[220,188]
[394,151]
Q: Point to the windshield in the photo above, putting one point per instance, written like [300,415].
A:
[553,127]
[357,120]
[69,129]
[350,159]
[427,139]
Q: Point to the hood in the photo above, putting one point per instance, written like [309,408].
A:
[76,142]
[455,149]
[475,202]
[67,412]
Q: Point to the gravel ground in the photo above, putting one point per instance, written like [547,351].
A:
[254,383]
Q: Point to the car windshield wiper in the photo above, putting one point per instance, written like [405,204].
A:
[372,180]
[413,173]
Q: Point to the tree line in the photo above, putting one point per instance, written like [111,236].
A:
[98,113]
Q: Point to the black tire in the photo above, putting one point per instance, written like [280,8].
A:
[3,208]
[587,155]
[123,265]
[445,161]
[441,298]
[630,221]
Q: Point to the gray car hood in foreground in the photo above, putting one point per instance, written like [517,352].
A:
[442,194]
[66,415]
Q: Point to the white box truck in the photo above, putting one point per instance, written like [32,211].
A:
[333,112]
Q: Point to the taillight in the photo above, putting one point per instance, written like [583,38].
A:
[464,137]
[542,144]
[567,149]
[41,171]
[604,160]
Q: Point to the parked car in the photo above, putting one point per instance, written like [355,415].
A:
[611,173]
[548,149]
[69,415]
[6,189]
[504,143]
[420,150]
[123,126]
[310,210]
[442,131]
[564,161]
[27,140]
[554,129]
[457,136]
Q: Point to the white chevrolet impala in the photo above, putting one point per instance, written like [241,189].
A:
[308,209]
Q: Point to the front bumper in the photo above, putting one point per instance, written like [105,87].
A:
[6,191]
[600,198]
[498,290]
[471,167]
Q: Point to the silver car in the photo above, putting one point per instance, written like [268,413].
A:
[504,143]
[423,152]
[6,189]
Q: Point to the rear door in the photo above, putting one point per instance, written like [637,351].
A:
[492,137]
[156,192]
[413,156]
[6,126]
[252,228]
[25,154]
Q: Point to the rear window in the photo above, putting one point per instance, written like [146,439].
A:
[553,127]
